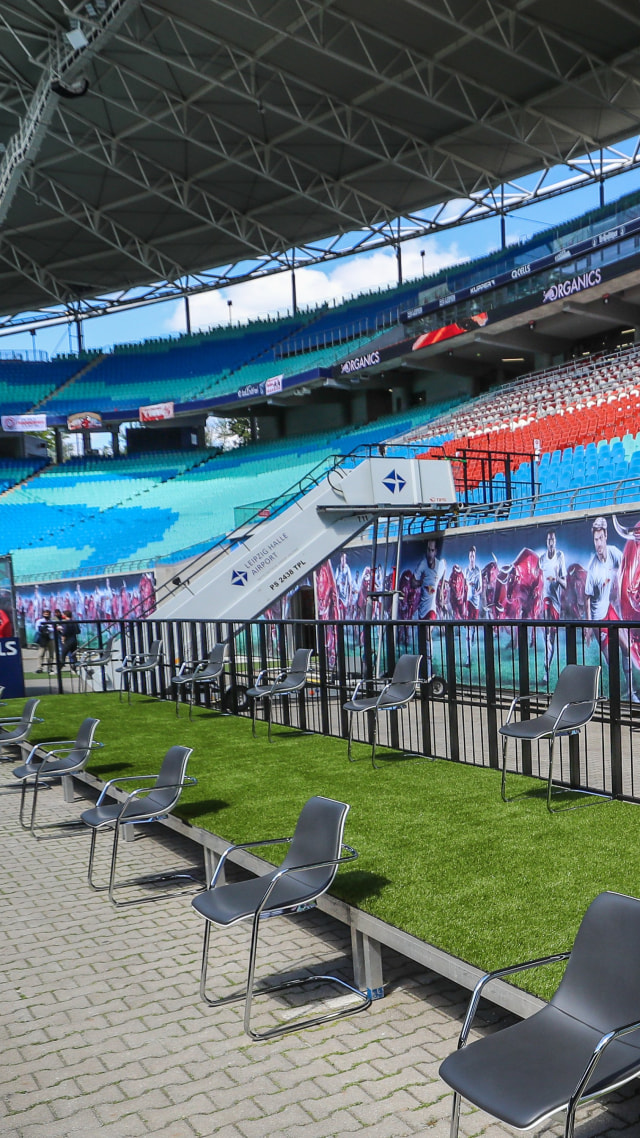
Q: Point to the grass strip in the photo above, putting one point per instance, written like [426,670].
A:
[441,856]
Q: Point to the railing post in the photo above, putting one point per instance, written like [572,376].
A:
[343,689]
[524,688]
[452,685]
[322,668]
[574,740]
[488,631]
[615,739]
[425,719]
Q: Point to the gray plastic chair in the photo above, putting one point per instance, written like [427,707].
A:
[63,757]
[193,674]
[15,729]
[306,873]
[582,1045]
[289,682]
[394,695]
[147,803]
[88,660]
[137,663]
[572,705]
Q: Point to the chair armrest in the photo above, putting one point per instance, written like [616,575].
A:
[18,718]
[598,1051]
[384,689]
[123,778]
[59,744]
[40,768]
[514,702]
[324,864]
[572,703]
[135,794]
[488,976]
[244,846]
[264,672]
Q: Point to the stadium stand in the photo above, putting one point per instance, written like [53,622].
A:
[86,514]
[550,414]
[16,470]
[25,384]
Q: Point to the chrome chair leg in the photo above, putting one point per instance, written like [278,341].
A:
[550,781]
[247,994]
[375,740]
[455,1116]
[23,795]
[349,755]
[92,850]
[503,784]
[149,879]
[269,720]
[72,824]
[253,719]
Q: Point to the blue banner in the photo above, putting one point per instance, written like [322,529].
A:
[11,675]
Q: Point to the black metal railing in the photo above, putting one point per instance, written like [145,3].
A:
[471,671]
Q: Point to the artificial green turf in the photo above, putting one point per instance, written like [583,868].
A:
[441,855]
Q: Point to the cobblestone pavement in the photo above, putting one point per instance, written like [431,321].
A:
[104,1034]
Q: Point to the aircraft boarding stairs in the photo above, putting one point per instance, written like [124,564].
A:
[244,575]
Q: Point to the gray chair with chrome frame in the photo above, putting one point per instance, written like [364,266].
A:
[306,873]
[15,729]
[194,673]
[154,798]
[585,1043]
[396,694]
[139,663]
[572,705]
[62,758]
[88,660]
[289,682]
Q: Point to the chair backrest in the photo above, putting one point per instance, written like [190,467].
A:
[28,713]
[318,837]
[404,680]
[601,983]
[84,741]
[576,683]
[167,788]
[154,654]
[105,651]
[217,659]
[300,662]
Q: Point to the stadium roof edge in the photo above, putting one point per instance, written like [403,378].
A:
[225,134]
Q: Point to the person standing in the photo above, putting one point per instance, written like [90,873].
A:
[69,631]
[602,575]
[344,586]
[473,587]
[601,594]
[45,633]
[554,577]
[428,576]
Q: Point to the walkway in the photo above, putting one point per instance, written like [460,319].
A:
[104,1035]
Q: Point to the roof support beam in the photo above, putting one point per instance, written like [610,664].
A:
[62,63]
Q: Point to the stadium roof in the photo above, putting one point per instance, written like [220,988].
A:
[149,141]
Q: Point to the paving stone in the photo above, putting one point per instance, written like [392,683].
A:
[106,1036]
